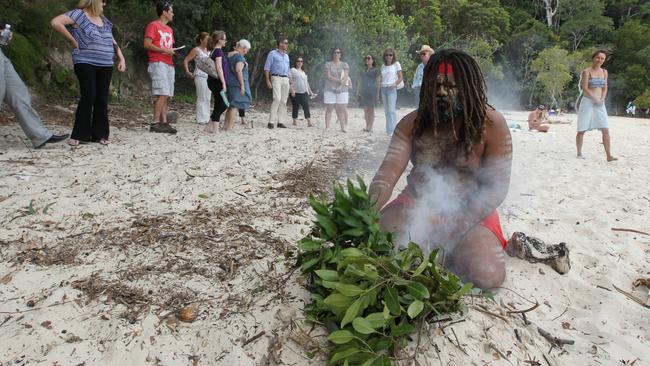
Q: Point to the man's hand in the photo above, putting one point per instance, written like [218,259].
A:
[269,85]
[168,51]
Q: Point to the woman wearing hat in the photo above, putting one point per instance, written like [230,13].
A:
[425,52]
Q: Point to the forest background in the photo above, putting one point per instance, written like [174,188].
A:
[531,51]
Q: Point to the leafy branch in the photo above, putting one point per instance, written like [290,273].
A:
[369,294]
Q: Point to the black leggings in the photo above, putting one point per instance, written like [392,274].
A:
[301,99]
[242,113]
[91,117]
[219,106]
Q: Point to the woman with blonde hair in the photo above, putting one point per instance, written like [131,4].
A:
[93,52]
[200,78]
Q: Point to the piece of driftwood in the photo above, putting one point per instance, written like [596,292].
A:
[554,340]
[535,250]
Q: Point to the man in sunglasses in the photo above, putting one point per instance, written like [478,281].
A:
[425,53]
[159,43]
[278,78]
[14,92]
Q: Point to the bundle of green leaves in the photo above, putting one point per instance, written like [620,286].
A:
[369,294]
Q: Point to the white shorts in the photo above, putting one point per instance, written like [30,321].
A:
[162,78]
[336,98]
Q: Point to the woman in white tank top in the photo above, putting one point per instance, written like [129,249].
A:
[203,94]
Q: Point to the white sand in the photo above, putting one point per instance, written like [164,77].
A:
[93,195]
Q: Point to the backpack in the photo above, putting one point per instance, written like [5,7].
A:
[206,64]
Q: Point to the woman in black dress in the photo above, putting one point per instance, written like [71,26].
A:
[368,91]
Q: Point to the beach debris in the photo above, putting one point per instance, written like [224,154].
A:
[535,250]
[630,230]
[189,314]
[633,298]
[554,340]
[46,324]
[254,338]
[643,282]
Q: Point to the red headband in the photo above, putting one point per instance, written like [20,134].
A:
[445,68]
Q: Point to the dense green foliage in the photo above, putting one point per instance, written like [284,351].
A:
[370,295]
[506,36]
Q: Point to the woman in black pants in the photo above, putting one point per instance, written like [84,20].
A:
[300,91]
[93,51]
[217,86]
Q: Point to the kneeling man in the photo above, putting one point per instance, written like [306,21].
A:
[461,152]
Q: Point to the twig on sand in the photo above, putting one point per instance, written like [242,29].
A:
[554,340]
[603,288]
[565,310]
[489,313]
[525,310]
[34,309]
[254,338]
[632,297]
[630,230]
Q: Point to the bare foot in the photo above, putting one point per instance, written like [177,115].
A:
[580,156]
[611,158]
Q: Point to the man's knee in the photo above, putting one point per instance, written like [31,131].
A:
[487,274]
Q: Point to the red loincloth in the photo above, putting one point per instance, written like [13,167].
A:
[491,222]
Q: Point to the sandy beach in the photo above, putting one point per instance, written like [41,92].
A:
[104,249]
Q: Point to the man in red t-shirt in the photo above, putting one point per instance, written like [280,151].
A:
[159,43]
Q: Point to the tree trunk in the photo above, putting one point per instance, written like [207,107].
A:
[551,7]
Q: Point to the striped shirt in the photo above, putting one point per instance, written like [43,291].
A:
[95,42]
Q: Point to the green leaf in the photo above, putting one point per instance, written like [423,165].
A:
[337,303]
[415,308]
[352,222]
[418,271]
[310,263]
[351,313]
[307,245]
[386,312]
[327,274]
[352,252]
[338,356]
[391,300]
[362,326]
[356,232]
[327,224]
[460,293]
[383,361]
[369,362]
[417,290]
[376,320]
[319,207]
[341,337]
[329,284]
[349,290]
[402,330]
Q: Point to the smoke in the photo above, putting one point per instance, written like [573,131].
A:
[441,195]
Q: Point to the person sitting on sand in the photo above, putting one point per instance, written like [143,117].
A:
[461,151]
[538,120]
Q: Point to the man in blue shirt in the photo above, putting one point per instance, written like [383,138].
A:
[14,92]
[425,52]
[278,79]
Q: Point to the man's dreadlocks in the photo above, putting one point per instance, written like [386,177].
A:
[470,94]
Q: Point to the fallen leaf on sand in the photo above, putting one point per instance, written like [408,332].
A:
[46,324]
[6,278]
[247,228]
[188,314]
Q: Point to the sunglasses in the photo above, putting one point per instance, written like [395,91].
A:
[368,58]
